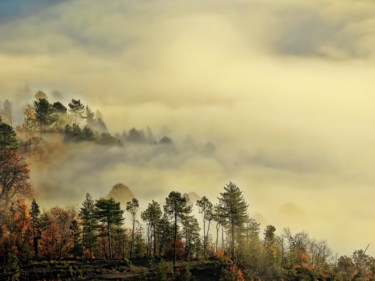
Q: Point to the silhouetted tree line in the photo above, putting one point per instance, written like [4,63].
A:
[76,122]
[140,136]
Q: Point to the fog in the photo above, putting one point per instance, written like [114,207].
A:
[284,89]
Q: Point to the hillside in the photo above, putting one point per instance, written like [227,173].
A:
[121,193]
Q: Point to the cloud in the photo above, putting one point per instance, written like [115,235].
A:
[16,10]
[339,30]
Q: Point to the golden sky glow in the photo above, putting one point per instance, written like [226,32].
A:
[284,89]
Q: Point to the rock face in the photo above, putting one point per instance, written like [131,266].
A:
[121,193]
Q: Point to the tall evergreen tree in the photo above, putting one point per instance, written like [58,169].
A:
[206,209]
[77,249]
[109,213]
[89,116]
[8,138]
[234,211]
[89,224]
[152,215]
[34,213]
[44,114]
[165,233]
[132,208]
[220,222]
[191,234]
[77,109]
[60,116]
[58,107]
[176,206]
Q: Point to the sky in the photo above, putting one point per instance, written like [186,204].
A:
[284,89]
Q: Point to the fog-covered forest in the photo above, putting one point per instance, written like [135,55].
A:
[116,236]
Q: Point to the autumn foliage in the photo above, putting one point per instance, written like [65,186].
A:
[14,178]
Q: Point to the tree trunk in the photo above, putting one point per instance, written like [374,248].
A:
[161,244]
[36,247]
[175,240]
[132,242]
[222,239]
[217,235]
[247,236]
[149,241]
[35,241]
[208,230]
[187,248]
[232,239]
[204,233]
[154,241]
[83,243]
[109,241]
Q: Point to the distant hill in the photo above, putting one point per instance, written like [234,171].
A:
[193,197]
[121,193]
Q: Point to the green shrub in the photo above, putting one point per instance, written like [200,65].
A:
[12,267]
[143,275]
[161,274]
[186,273]
[71,271]
[127,262]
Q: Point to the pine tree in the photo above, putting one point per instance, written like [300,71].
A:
[206,209]
[233,208]
[76,250]
[76,108]
[220,222]
[60,115]
[90,223]
[8,138]
[34,213]
[58,107]
[176,206]
[191,233]
[132,208]
[152,215]
[89,116]
[109,213]
[164,234]
[44,114]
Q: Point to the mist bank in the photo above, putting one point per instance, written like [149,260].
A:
[278,186]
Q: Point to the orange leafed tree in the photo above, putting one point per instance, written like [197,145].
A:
[14,178]
[15,231]
[57,237]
